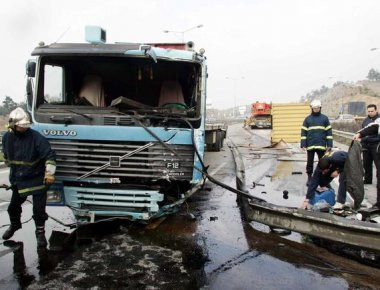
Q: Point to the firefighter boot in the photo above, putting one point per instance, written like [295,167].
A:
[40,236]
[14,226]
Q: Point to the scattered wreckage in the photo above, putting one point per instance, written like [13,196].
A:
[357,227]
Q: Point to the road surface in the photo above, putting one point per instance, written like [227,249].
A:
[216,250]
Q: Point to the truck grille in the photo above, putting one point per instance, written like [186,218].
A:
[121,121]
[103,199]
[78,157]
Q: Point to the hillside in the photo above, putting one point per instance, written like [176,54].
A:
[333,98]
[3,122]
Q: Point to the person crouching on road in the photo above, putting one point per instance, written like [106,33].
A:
[327,169]
[316,136]
[32,168]
[370,130]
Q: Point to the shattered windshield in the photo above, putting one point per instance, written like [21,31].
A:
[118,85]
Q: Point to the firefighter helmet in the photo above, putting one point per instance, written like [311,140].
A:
[316,104]
[18,117]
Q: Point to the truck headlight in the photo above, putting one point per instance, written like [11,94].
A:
[54,195]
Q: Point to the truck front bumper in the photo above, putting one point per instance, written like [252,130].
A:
[98,202]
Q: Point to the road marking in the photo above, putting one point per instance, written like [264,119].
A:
[218,168]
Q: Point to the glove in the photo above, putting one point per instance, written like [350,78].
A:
[49,179]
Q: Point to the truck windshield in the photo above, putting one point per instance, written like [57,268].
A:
[98,84]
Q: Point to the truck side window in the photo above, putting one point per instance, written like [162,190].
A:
[53,84]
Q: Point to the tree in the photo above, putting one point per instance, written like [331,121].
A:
[323,90]
[337,83]
[9,104]
[373,75]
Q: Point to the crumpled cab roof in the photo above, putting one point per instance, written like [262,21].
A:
[116,49]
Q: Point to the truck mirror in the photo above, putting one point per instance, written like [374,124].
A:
[29,94]
[31,68]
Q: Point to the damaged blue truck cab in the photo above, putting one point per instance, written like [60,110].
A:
[126,121]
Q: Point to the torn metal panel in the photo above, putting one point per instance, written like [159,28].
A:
[317,224]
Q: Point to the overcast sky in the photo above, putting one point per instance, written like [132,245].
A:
[273,50]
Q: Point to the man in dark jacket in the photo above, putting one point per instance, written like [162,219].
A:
[369,145]
[327,169]
[316,135]
[372,129]
[32,168]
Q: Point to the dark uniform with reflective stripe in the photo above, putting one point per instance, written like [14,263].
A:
[27,155]
[316,136]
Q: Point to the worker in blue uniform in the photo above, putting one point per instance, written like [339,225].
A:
[32,168]
[316,136]
[327,169]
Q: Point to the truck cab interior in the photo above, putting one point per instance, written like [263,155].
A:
[104,84]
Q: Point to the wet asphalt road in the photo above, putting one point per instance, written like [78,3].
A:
[216,250]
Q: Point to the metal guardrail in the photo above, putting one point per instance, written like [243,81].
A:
[344,134]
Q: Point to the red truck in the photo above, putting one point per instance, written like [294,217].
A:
[260,115]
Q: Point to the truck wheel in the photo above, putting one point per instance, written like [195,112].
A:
[218,142]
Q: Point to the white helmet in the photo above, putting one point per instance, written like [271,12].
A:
[316,104]
[18,117]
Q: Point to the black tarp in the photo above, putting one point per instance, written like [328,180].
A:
[353,169]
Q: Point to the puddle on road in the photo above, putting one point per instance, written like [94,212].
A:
[126,255]
[283,170]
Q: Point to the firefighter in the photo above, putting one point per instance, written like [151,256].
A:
[316,136]
[32,168]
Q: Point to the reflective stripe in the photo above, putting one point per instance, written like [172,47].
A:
[16,162]
[316,147]
[317,128]
[329,137]
[29,189]
[303,127]
[303,137]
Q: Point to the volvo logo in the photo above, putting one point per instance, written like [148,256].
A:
[60,132]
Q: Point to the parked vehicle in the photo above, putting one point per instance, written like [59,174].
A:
[260,115]
[346,118]
[127,121]
[216,133]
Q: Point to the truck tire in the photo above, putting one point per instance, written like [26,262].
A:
[217,142]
